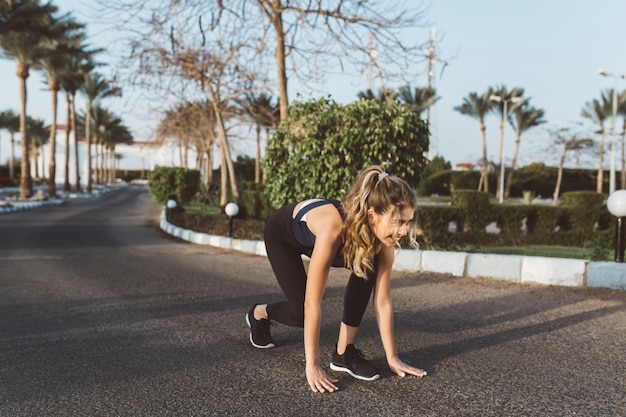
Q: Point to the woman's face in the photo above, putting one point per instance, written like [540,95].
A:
[391,226]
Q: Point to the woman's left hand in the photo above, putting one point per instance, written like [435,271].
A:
[402,369]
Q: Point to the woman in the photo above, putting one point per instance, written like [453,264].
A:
[360,233]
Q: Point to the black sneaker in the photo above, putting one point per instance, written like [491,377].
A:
[353,362]
[260,336]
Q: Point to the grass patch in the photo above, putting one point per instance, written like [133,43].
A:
[196,207]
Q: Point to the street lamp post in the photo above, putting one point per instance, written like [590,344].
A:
[504,102]
[231,209]
[613,115]
[616,203]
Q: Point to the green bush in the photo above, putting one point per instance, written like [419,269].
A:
[587,213]
[434,222]
[583,198]
[180,184]
[445,182]
[476,208]
[322,146]
[253,201]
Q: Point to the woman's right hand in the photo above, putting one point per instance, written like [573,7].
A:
[319,381]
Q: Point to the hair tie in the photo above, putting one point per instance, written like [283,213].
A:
[382,175]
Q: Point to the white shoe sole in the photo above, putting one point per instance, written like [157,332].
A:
[352,374]
[268,346]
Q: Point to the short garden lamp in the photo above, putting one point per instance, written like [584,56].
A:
[171,204]
[616,203]
[231,210]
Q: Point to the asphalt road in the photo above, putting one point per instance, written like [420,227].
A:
[102,314]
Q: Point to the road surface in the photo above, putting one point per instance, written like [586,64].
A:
[102,314]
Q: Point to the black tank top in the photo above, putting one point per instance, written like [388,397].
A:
[306,238]
[301,230]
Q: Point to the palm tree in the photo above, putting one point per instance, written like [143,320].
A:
[418,99]
[570,142]
[100,120]
[53,65]
[506,97]
[27,29]
[38,134]
[108,131]
[598,111]
[523,118]
[10,121]
[264,114]
[119,134]
[95,88]
[477,106]
[382,95]
[72,80]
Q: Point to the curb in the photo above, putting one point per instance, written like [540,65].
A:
[27,206]
[512,268]
[19,206]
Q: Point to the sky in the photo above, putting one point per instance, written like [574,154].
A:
[550,48]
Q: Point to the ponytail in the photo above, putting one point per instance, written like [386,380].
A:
[373,188]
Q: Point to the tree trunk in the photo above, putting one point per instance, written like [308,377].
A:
[42,160]
[210,145]
[53,85]
[76,161]
[257,161]
[225,149]
[509,177]
[26,182]
[600,180]
[112,166]
[502,129]
[277,22]
[559,177]
[12,160]
[100,159]
[223,179]
[66,183]
[484,169]
[88,139]
[33,164]
[102,168]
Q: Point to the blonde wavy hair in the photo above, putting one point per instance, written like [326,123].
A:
[375,189]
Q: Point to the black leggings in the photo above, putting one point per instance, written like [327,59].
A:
[284,253]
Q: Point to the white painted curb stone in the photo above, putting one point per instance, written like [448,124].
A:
[512,268]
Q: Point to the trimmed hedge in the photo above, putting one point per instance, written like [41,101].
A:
[581,218]
[253,201]
[476,208]
[180,184]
